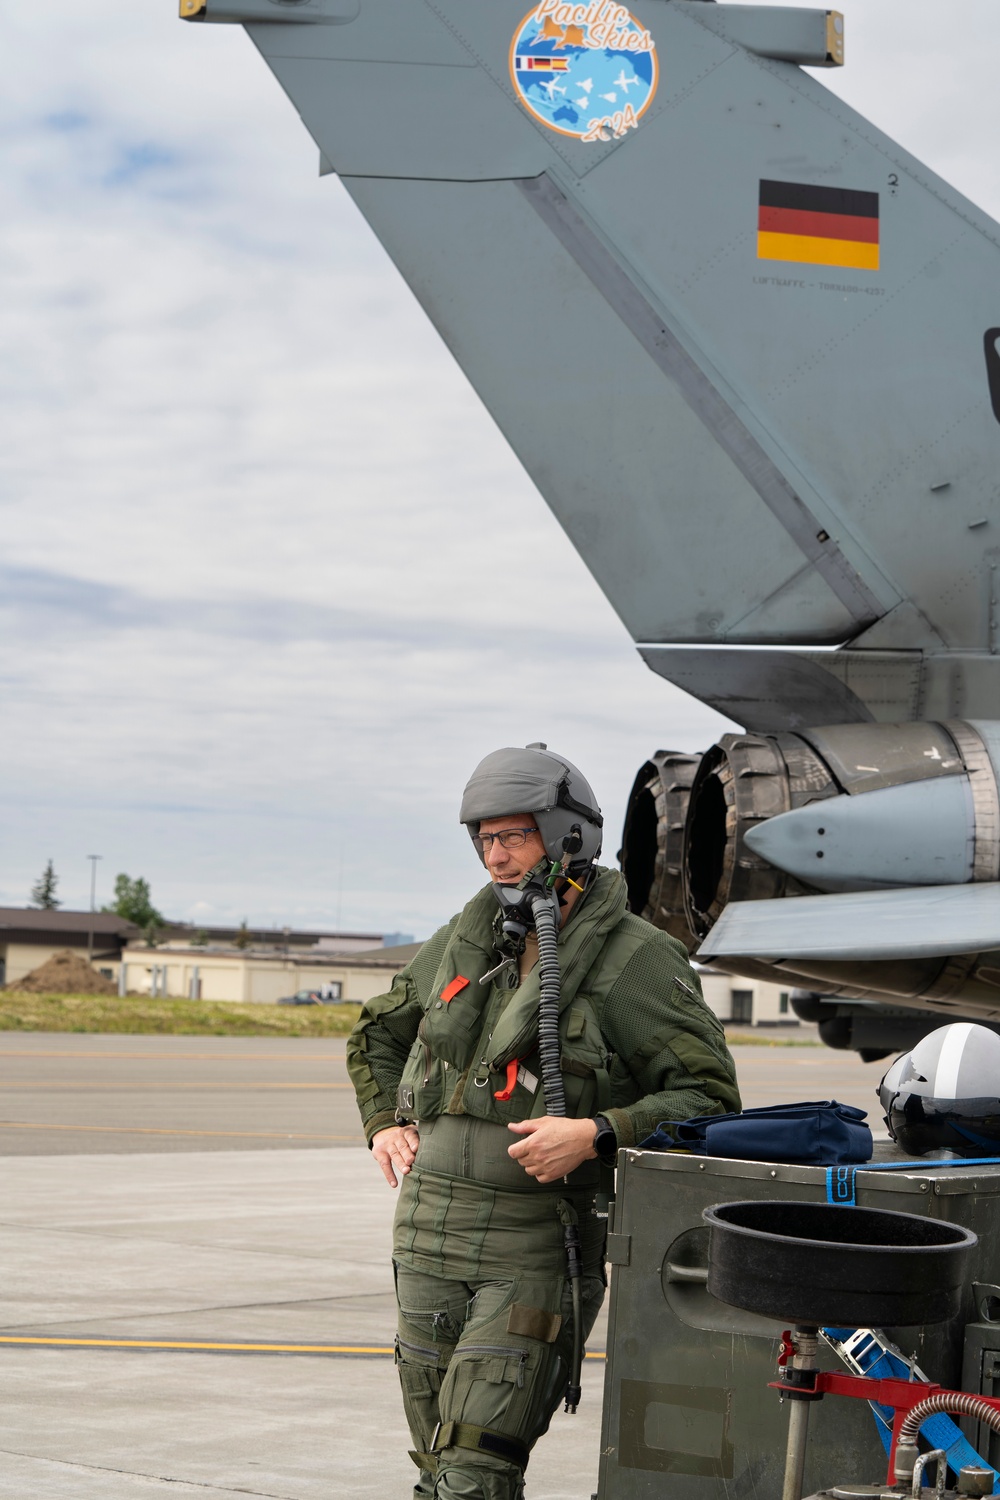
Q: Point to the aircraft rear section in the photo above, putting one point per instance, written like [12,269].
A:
[688,1414]
[685,332]
[748,349]
[801,822]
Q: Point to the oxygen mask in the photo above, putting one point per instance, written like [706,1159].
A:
[516,902]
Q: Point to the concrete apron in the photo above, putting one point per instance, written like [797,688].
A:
[284,1248]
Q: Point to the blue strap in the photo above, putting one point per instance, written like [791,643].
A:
[955,1161]
[881,1364]
[940,1430]
[840,1186]
[840,1181]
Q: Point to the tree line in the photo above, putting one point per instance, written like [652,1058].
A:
[133,899]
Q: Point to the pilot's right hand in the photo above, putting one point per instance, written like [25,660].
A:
[394,1149]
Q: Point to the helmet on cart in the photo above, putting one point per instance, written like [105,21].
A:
[945,1093]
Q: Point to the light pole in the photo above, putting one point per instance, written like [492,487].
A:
[93,892]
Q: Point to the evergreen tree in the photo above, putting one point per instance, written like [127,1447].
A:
[43,892]
[134,903]
[242,938]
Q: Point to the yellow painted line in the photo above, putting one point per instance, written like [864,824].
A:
[202,1346]
[149,1088]
[263,1135]
[196,1345]
[83,1055]
[811,250]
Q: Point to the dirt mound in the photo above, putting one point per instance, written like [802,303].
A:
[65,973]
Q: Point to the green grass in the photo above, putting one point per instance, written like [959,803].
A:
[754,1039]
[141,1016]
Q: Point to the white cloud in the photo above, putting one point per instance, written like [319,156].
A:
[257,624]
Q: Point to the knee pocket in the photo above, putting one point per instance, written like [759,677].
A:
[420,1385]
[421,1368]
[419,1380]
[497,1388]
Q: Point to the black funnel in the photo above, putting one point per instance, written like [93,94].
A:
[815,1263]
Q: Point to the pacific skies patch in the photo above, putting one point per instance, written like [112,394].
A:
[586,71]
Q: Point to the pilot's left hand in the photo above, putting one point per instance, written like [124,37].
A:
[552,1147]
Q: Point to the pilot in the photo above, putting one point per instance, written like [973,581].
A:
[450,1086]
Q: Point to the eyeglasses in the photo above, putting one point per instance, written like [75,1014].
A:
[510,838]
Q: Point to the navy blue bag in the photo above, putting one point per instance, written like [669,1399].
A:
[822,1134]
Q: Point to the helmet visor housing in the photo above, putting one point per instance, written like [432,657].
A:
[945,1093]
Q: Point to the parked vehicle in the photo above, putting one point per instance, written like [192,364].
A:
[327,994]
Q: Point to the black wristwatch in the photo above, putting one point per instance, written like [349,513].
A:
[605,1141]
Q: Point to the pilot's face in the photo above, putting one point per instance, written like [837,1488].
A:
[508,866]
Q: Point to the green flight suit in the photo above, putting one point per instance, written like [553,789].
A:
[484,1328]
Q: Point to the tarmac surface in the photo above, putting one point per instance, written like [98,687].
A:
[197,1297]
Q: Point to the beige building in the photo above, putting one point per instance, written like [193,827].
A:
[274,962]
[278,962]
[29,936]
[256,975]
[746,1002]
[262,976]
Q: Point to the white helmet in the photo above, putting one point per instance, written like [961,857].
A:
[946,1093]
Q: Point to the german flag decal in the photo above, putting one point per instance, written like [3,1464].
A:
[818,226]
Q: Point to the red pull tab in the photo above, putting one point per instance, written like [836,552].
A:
[454,988]
[506,1092]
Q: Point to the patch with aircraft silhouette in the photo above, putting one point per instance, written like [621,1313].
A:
[588,71]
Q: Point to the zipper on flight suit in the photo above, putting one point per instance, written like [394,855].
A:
[431,1354]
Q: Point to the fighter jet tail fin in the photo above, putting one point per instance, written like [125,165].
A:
[744,344]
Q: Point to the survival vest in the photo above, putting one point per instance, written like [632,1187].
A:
[476,1050]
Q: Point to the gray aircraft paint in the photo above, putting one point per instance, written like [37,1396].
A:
[781,472]
[872,925]
[744,451]
[920,833]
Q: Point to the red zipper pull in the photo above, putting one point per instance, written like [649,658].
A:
[506,1092]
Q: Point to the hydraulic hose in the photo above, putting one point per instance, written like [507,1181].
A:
[956,1402]
[543,911]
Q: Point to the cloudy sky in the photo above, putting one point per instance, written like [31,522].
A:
[248,647]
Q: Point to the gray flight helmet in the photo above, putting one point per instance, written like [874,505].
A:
[534,780]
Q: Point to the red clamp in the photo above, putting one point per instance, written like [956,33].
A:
[508,1088]
[787,1349]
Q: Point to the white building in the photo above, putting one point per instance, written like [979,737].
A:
[745,1002]
[259,976]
